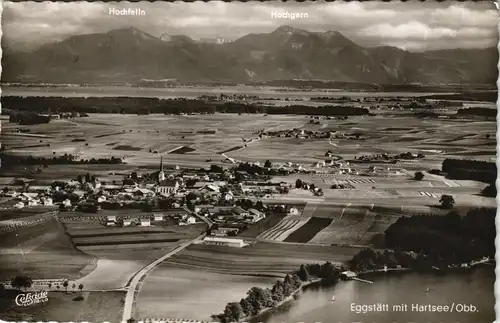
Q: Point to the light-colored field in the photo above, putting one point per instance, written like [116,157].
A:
[123,238]
[264,258]
[116,266]
[136,135]
[43,251]
[123,251]
[223,271]
[169,292]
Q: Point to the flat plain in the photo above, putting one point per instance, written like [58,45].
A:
[332,227]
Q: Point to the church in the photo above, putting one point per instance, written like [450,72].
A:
[166,186]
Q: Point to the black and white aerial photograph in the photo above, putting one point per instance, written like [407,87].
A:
[277,162]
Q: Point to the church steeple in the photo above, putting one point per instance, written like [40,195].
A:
[161,174]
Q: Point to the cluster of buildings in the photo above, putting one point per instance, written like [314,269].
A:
[386,157]
[181,216]
[298,133]
[30,198]
[66,115]
[183,197]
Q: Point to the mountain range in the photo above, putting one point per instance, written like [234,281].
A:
[128,55]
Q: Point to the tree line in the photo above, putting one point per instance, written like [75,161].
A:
[66,159]
[463,169]
[477,111]
[130,105]
[449,239]
[258,299]
[23,282]
[28,118]
[424,242]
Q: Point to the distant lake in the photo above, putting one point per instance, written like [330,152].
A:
[165,93]
[315,305]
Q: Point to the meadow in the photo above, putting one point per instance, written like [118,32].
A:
[226,272]
[162,134]
[43,251]
[62,307]
[120,251]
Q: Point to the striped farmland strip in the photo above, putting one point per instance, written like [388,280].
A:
[292,229]
[286,225]
[429,194]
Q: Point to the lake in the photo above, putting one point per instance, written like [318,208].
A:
[472,288]
[185,92]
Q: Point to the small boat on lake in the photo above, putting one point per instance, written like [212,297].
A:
[333,298]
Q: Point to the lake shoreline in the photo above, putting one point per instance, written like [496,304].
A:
[286,300]
[317,281]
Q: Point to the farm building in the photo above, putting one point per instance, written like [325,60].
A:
[187,220]
[32,202]
[239,211]
[28,196]
[225,231]
[145,222]
[255,215]
[190,176]
[127,222]
[111,187]
[158,216]
[217,233]
[293,211]
[320,164]
[112,218]
[19,205]
[39,189]
[143,192]
[228,242]
[199,208]
[47,201]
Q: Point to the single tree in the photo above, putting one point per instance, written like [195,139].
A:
[233,311]
[73,286]
[80,287]
[245,306]
[268,164]
[21,282]
[65,285]
[58,286]
[50,285]
[419,176]
[447,201]
[303,273]
[298,183]
[131,320]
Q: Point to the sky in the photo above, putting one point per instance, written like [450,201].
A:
[414,26]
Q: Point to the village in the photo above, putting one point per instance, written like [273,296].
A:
[226,200]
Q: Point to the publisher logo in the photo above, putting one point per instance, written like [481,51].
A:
[28,299]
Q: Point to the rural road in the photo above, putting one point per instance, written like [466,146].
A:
[132,288]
